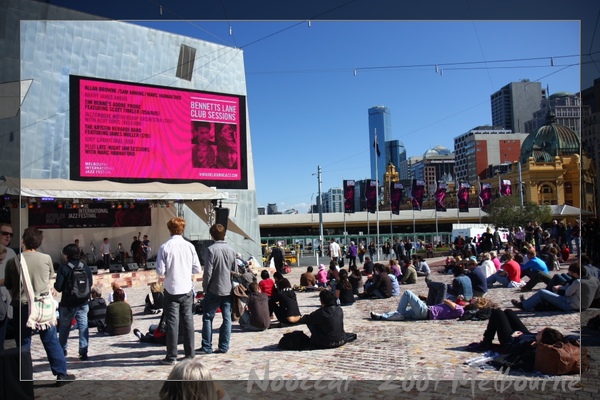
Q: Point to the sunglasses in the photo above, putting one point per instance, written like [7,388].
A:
[4,233]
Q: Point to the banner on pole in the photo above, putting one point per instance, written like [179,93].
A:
[418,189]
[463,197]
[505,188]
[440,195]
[371,195]
[396,196]
[349,196]
[485,195]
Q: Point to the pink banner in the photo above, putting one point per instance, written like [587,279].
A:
[463,197]
[131,131]
[440,195]
[417,193]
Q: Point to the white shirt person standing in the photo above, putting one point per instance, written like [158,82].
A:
[177,260]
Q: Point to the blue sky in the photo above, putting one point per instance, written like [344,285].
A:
[307,107]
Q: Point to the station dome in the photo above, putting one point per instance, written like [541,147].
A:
[549,141]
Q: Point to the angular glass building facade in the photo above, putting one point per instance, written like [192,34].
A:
[51,44]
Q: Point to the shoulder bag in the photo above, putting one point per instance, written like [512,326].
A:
[42,310]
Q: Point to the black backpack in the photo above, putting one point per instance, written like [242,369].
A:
[78,285]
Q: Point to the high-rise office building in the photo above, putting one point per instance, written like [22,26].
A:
[380,122]
[436,165]
[396,152]
[333,200]
[566,108]
[482,146]
[515,103]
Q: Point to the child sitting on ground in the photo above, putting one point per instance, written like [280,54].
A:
[266,284]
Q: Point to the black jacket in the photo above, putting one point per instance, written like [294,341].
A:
[326,326]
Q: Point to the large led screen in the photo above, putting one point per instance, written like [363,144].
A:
[129,132]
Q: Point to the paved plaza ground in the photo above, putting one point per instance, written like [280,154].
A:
[386,356]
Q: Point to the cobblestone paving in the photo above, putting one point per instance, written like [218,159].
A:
[403,352]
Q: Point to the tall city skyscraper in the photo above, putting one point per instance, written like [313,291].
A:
[515,103]
[395,152]
[380,121]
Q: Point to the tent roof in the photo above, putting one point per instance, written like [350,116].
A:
[107,190]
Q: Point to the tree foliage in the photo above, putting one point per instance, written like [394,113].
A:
[506,212]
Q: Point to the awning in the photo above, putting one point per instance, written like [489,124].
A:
[202,210]
[106,190]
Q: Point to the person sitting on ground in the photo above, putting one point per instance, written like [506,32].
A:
[190,379]
[565,253]
[411,307]
[587,264]
[115,286]
[266,284]
[97,308]
[343,290]
[477,277]
[333,276]
[495,260]
[422,267]
[394,280]
[244,276]
[157,333]
[514,337]
[326,324]
[154,300]
[451,262]
[284,303]
[567,297]
[510,274]
[409,274]
[461,287]
[379,286]
[355,278]
[321,276]
[532,268]
[368,267]
[256,316]
[395,268]
[487,265]
[119,316]
[308,279]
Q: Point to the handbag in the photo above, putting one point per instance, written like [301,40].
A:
[42,309]
[561,358]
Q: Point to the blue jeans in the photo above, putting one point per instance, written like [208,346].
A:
[66,315]
[211,303]
[562,302]
[503,280]
[176,307]
[418,309]
[49,339]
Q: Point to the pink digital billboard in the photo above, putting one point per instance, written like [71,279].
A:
[131,132]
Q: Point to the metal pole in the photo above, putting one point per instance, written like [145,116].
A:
[520,186]
[377,196]
[320,213]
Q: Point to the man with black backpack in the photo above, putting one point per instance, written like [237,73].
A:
[74,280]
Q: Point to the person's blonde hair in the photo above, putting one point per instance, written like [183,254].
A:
[115,286]
[189,380]
[2,248]
[156,287]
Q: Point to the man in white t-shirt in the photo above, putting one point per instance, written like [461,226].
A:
[335,252]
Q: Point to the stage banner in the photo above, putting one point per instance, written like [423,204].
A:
[93,215]
[440,195]
[417,192]
[463,197]
[485,195]
[371,195]
[396,196]
[349,196]
[505,188]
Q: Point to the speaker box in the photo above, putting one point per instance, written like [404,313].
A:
[222,216]
[131,267]
[115,268]
[93,269]
[151,265]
